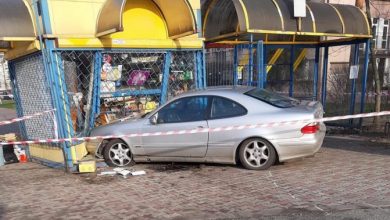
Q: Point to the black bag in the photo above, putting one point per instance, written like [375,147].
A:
[9,155]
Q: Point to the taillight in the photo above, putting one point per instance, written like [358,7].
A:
[311,128]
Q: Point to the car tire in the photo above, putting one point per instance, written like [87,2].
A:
[116,153]
[257,154]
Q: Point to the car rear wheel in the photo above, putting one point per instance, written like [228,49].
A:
[118,154]
[257,154]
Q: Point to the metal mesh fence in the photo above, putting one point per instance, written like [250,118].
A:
[223,63]
[34,96]
[103,87]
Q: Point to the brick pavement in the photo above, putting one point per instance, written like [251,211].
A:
[344,175]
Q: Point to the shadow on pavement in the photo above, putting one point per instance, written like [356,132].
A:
[356,145]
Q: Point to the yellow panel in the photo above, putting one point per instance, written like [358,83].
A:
[142,20]
[74,17]
[53,154]
[129,43]
[79,152]
[21,48]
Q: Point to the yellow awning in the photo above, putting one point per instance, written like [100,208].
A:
[273,20]
[16,21]
[178,16]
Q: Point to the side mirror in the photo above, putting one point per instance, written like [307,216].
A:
[153,119]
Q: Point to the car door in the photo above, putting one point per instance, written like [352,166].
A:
[186,113]
[224,112]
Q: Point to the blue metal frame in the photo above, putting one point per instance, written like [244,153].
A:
[165,80]
[364,80]
[260,65]
[250,51]
[316,69]
[235,66]
[19,107]
[291,84]
[53,75]
[353,88]
[97,66]
[325,77]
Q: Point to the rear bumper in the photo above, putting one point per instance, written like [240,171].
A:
[304,146]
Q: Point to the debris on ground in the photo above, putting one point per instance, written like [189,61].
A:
[123,172]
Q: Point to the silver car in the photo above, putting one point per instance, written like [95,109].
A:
[255,148]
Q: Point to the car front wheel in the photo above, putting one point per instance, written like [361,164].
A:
[257,154]
[117,154]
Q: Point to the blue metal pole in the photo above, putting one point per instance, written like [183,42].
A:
[204,72]
[265,64]
[165,80]
[292,57]
[325,77]
[353,89]
[235,66]
[54,83]
[96,87]
[364,81]
[250,80]
[315,79]
[260,64]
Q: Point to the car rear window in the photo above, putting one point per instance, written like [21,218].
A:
[273,98]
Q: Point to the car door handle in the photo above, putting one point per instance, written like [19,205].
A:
[200,126]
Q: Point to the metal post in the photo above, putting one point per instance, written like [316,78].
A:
[292,56]
[54,81]
[165,80]
[353,89]
[235,66]
[316,69]
[2,160]
[260,64]
[204,72]
[250,80]
[265,64]
[325,77]
[364,81]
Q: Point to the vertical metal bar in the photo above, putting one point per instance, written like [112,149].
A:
[364,81]
[265,64]
[325,77]
[250,79]
[165,80]
[235,66]
[353,89]
[96,84]
[198,71]
[260,64]
[316,69]
[204,72]
[292,56]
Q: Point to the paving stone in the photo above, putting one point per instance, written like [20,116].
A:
[343,176]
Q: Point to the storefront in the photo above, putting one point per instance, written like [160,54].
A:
[102,61]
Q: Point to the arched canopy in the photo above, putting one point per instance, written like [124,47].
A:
[274,20]
[16,21]
[177,16]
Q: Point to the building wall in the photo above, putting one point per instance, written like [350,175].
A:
[4,76]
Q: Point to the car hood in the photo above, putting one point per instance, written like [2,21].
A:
[119,128]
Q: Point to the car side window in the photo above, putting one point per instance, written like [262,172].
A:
[186,109]
[225,108]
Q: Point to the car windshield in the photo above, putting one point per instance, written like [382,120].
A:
[272,98]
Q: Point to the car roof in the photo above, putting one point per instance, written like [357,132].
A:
[219,90]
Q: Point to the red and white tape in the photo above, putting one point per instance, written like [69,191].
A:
[25,117]
[200,130]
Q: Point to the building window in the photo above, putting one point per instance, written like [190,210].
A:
[381,32]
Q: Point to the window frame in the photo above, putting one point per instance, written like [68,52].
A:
[228,99]
[207,110]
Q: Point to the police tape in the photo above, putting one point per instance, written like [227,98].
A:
[200,130]
[25,117]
